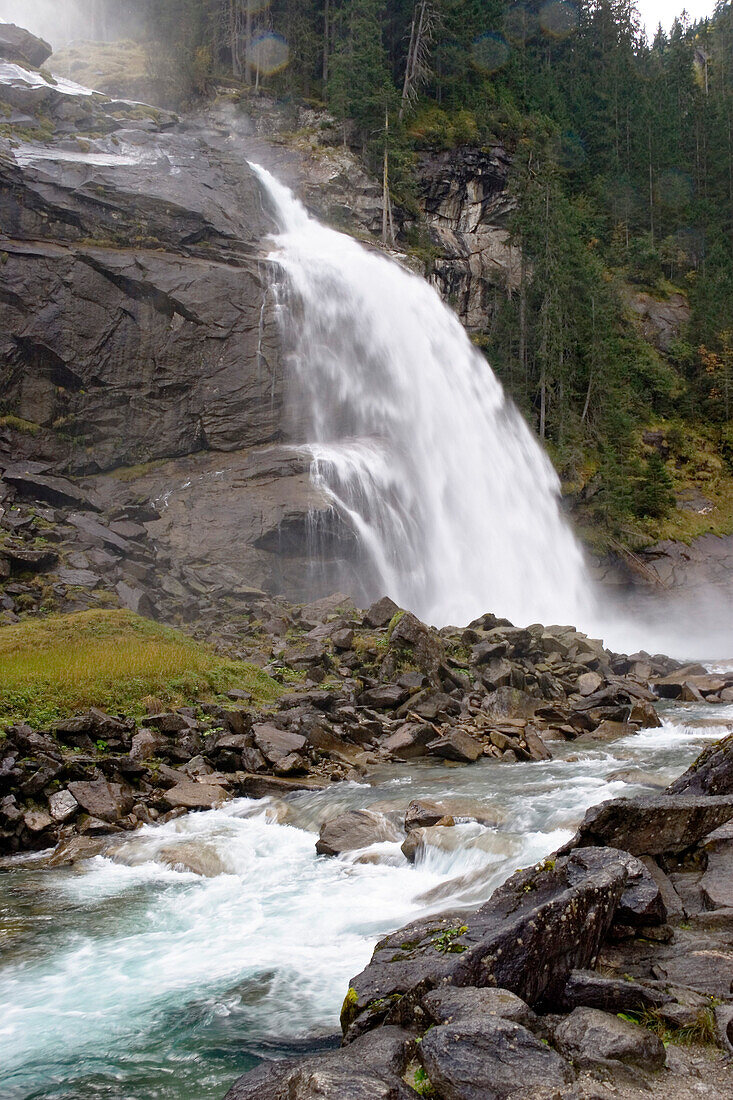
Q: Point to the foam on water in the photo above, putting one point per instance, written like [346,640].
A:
[132,975]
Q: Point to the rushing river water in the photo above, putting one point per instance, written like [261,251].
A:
[133,979]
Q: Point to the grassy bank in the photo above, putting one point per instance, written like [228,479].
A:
[54,667]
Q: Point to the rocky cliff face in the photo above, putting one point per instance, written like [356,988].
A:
[137,324]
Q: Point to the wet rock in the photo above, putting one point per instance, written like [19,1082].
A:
[369,1069]
[76,849]
[275,744]
[380,613]
[62,806]
[20,46]
[195,796]
[590,1036]
[536,928]
[448,1004]
[608,731]
[491,1059]
[266,786]
[103,800]
[655,824]
[536,747]
[645,715]
[711,773]
[457,745]
[422,813]
[353,830]
[588,989]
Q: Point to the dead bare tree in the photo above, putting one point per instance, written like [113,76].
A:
[422,31]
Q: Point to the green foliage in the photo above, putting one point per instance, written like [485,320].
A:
[445,942]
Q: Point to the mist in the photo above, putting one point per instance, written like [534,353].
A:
[64,21]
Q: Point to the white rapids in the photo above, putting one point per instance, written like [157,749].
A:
[454,503]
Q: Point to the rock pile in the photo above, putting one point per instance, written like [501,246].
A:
[359,689]
[563,984]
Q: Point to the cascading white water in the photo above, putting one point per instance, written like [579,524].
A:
[454,503]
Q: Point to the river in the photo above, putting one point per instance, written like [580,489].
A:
[131,978]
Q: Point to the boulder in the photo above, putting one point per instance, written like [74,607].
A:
[20,46]
[641,903]
[102,799]
[588,989]
[195,796]
[380,613]
[413,640]
[590,1036]
[654,824]
[56,490]
[409,741]
[717,882]
[491,1059]
[275,744]
[457,745]
[589,682]
[451,1003]
[383,697]
[509,702]
[711,773]
[62,806]
[28,560]
[422,813]
[536,928]
[369,1069]
[37,821]
[355,829]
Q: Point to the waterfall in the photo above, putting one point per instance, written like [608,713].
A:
[455,506]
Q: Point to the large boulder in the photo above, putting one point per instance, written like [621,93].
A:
[353,830]
[588,989]
[369,1069]
[22,47]
[590,1036]
[103,800]
[653,825]
[711,773]
[541,924]
[488,1058]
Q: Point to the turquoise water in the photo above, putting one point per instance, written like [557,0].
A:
[134,978]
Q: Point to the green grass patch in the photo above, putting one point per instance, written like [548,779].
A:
[54,667]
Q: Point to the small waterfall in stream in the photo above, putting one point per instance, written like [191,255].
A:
[454,504]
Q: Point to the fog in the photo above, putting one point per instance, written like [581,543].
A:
[64,21]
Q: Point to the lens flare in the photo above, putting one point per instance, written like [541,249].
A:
[559,18]
[490,52]
[269,54]
[520,25]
